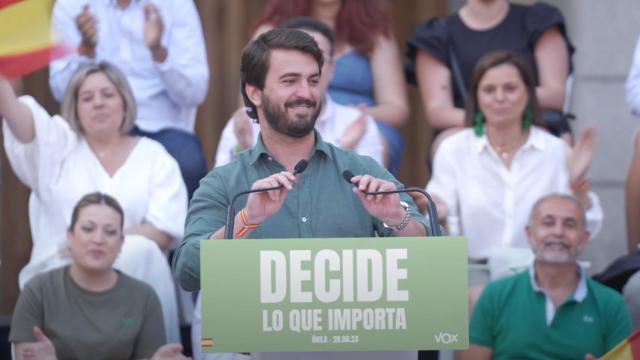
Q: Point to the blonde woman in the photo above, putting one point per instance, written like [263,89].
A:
[88,148]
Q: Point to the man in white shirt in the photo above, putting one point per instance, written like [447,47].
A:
[160,47]
[341,125]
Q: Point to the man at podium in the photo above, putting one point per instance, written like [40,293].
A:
[280,73]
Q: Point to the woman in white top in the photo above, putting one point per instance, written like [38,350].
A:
[88,149]
[487,177]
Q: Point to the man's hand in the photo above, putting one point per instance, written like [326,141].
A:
[384,207]
[41,349]
[262,205]
[153,29]
[169,352]
[88,27]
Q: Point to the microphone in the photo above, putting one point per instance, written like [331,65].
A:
[431,206]
[231,211]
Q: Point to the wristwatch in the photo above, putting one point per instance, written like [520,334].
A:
[405,220]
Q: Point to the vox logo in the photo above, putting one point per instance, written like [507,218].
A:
[446,338]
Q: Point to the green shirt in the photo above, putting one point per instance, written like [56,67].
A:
[124,322]
[513,318]
[321,203]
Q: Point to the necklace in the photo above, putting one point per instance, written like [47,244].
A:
[502,151]
[507,150]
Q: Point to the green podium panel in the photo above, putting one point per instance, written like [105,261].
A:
[342,294]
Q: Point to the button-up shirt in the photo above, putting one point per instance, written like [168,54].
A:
[489,203]
[321,203]
[166,93]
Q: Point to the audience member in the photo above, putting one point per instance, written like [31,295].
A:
[632,95]
[536,32]
[334,118]
[487,177]
[160,48]
[89,149]
[89,310]
[552,310]
[632,197]
[368,66]
[631,290]
[632,86]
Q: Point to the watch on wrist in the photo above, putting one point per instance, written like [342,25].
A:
[405,220]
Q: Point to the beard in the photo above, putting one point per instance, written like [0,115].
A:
[545,253]
[298,127]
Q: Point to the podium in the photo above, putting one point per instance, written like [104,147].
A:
[337,294]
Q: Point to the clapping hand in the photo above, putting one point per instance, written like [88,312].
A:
[354,132]
[88,26]
[242,128]
[41,349]
[153,27]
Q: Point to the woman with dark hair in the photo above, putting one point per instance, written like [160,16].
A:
[443,52]
[89,310]
[368,65]
[89,148]
[487,176]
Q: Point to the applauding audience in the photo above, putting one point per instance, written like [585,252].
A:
[159,46]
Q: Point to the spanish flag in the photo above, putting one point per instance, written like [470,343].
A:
[26,40]
[628,349]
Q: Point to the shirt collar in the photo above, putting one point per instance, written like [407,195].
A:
[578,295]
[535,140]
[259,150]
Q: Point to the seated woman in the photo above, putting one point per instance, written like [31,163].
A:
[487,177]
[88,149]
[89,310]
[535,32]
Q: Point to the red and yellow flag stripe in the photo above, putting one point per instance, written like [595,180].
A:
[628,349]
[27,42]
